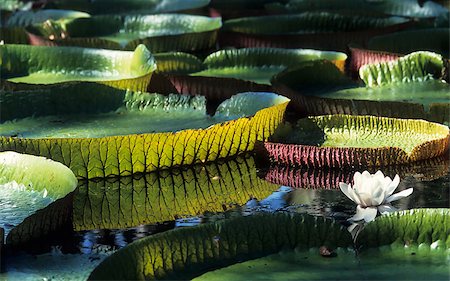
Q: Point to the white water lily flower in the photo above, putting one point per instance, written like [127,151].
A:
[373,194]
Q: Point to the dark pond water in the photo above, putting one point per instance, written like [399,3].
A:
[108,215]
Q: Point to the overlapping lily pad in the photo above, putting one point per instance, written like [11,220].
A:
[126,202]
[407,8]
[127,6]
[411,87]
[318,30]
[410,227]
[104,144]
[186,253]
[260,64]
[160,33]
[28,183]
[47,65]
[345,140]
[431,39]
[12,29]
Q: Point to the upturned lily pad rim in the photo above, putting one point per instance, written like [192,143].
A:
[140,153]
[228,24]
[312,100]
[195,250]
[341,156]
[124,69]
[250,59]
[125,32]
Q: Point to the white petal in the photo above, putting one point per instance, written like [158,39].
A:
[379,174]
[386,209]
[365,199]
[349,192]
[377,197]
[357,177]
[392,186]
[399,195]
[368,214]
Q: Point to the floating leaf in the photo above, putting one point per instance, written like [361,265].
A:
[128,6]
[48,65]
[415,67]
[318,30]
[160,33]
[410,227]
[188,252]
[164,196]
[107,150]
[345,140]
[318,88]
[178,63]
[28,183]
[50,222]
[25,18]
[430,39]
[260,64]
[407,8]
[37,174]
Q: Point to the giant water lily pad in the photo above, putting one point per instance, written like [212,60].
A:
[431,39]
[186,253]
[125,202]
[48,65]
[260,64]
[408,87]
[410,227]
[167,32]
[28,183]
[12,29]
[190,252]
[127,6]
[104,144]
[318,30]
[407,8]
[345,140]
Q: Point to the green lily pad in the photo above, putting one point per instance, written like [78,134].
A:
[415,67]
[29,183]
[49,65]
[411,227]
[431,39]
[160,33]
[419,245]
[104,144]
[406,8]
[188,252]
[317,30]
[307,23]
[260,64]
[409,87]
[346,140]
[178,63]
[164,196]
[29,17]
[37,174]
[386,263]
[128,6]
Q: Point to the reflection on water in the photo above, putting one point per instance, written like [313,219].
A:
[110,214]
